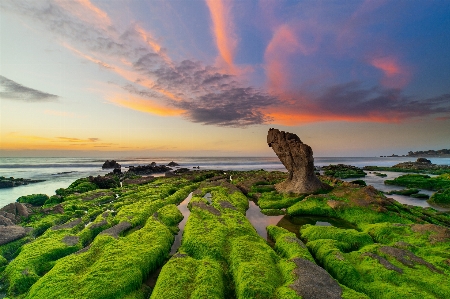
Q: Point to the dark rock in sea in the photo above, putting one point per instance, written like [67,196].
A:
[298,159]
[117,171]
[173,164]
[423,160]
[181,170]
[12,182]
[110,164]
[420,164]
[148,169]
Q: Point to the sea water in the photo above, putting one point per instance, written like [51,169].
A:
[61,172]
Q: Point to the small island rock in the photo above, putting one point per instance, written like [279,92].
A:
[111,164]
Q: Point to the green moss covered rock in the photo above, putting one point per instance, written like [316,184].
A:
[34,199]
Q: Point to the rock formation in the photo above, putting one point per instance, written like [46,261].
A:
[110,164]
[420,164]
[298,159]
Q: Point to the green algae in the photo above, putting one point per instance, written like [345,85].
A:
[354,238]
[219,234]
[221,255]
[34,199]
[119,266]
[275,200]
[441,198]
[421,181]
[35,259]
[343,171]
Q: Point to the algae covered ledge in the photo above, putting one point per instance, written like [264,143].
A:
[102,239]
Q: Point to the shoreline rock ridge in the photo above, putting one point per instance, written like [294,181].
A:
[298,159]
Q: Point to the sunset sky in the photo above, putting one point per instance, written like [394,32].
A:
[209,78]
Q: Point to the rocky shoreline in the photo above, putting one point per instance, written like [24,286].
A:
[111,236]
[12,182]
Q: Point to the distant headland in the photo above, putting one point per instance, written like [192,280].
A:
[428,153]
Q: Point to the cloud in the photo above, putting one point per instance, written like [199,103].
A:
[76,140]
[14,91]
[395,74]
[146,105]
[353,102]
[211,95]
[236,107]
[223,30]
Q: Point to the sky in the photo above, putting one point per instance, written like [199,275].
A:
[209,78]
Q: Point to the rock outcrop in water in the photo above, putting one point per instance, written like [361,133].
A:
[298,159]
[110,164]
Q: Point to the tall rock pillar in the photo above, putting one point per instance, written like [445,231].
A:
[298,159]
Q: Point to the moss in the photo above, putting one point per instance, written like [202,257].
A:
[420,195]
[12,249]
[111,268]
[353,238]
[312,205]
[328,253]
[186,277]
[421,181]
[287,245]
[34,199]
[272,212]
[275,200]
[3,261]
[359,182]
[406,192]
[35,259]
[343,171]
[53,200]
[441,198]
[220,232]
[170,215]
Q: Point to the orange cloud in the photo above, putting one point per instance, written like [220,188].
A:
[149,40]
[16,140]
[293,118]
[395,75]
[223,30]
[126,74]
[86,11]
[146,106]
[283,42]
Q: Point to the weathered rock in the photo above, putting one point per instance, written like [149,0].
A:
[420,164]
[11,233]
[5,221]
[117,229]
[14,211]
[298,159]
[70,224]
[313,282]
[408,258]
[148,169]
[111,164]
[21,210]
[70,240]
[386,264]
[173,164]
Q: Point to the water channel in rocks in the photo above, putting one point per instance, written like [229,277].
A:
[183,207]
[378,183]
[291,223]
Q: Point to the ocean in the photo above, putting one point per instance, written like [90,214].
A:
[61,172]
